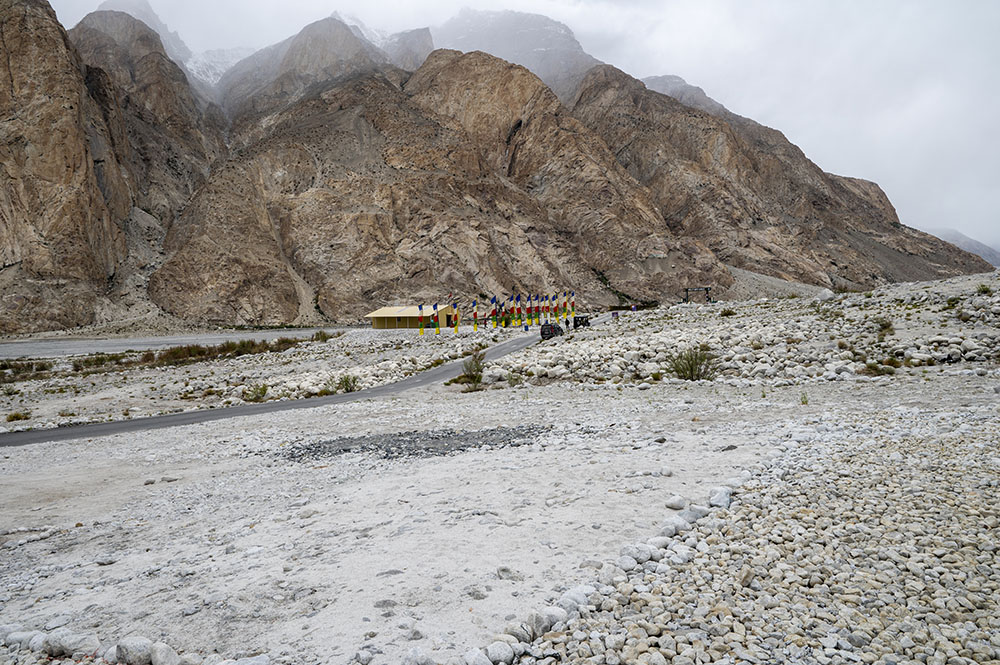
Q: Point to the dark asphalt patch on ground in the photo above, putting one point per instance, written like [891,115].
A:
[430,443]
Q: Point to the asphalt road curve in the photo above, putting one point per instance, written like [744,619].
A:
[428,377]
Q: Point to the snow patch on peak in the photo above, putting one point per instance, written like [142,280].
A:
[209,66]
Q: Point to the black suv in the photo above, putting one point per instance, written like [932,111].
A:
[550,330]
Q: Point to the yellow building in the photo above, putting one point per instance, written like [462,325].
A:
[407,316]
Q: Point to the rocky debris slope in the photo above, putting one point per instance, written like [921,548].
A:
[753,197]
[954,323]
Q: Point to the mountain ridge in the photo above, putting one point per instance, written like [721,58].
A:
[339,179]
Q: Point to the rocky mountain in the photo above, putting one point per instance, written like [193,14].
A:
[63,197]
[687,94]
[959,239]
[368,191]
[140,9]
[209,66]
[342,174]
[408,50]
[546,47]
[753,197]
[278,75]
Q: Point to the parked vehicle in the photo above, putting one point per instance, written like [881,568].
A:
[550,330]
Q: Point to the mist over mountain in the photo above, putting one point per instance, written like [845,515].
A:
[343,168]
[140,9]
[959,239]
[546,47]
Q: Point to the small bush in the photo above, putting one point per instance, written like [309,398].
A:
[694,364]
[885,327]
[728,312]
[255,393]
[984,290]
[348,384]
[952,302]
[472,369]
[321,336]
[18,415]
[514,379]
[804,399]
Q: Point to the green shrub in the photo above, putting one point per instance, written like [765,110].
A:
[694,364]
[728,312]
[321,336]
[348,384]
[18,415]
[984,290]
[472,369]
[885,327]
[255,393]
[514,379]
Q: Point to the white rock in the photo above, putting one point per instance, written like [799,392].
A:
[416,656]
[162,654]
[134,650]
[500,653]
[261,659]
[476,657]
[720,497]
[676,502]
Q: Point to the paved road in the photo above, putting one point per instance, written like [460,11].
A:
[431,376]
[78,346]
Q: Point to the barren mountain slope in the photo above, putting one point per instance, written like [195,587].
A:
[753,197]
[63,197]
[472,178]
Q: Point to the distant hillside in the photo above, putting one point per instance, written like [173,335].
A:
[963,241]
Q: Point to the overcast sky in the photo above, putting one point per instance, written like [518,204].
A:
[902,92]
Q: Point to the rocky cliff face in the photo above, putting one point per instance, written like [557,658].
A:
[172,140]
[546,47]
[63,197]
[753,197]
[371,191]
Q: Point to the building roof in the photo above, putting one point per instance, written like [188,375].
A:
[406,311]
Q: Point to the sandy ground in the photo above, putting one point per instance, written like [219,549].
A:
[248,551]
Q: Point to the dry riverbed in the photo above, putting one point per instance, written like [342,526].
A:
[799,508]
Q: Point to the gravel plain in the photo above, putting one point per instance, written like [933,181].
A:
[803,507]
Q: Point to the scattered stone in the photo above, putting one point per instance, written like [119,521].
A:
[134,650]
[676,502]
